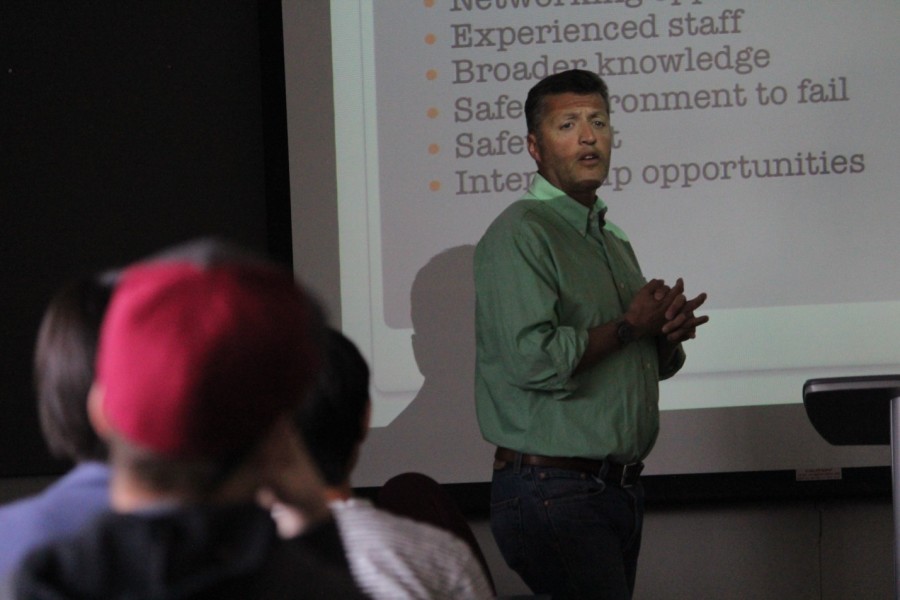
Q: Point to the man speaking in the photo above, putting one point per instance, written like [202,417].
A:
[571,344]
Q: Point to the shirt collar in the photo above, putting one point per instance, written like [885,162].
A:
[570,209]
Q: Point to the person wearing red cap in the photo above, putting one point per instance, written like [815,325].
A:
[199,368]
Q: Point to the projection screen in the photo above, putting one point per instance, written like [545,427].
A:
[753,157]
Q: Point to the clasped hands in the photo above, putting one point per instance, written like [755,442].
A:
[660,310]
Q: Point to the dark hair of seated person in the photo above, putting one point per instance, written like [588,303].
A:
[64,366]
[332,420]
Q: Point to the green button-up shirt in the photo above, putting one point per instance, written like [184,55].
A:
[545,272]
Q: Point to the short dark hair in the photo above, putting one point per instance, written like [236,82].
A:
[64,366]
[332,419]
[575,81]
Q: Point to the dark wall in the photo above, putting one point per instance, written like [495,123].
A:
[127,126]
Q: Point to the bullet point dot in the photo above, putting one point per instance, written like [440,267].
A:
[433,149]
[434,186]
[433,113]
[431,74]
[430,39]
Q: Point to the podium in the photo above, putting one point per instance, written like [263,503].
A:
[861,410]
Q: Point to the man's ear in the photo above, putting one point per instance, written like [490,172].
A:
[534,148]
[95,411]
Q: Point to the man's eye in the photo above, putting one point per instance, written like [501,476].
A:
[599,123]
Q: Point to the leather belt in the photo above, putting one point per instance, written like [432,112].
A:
[607,470]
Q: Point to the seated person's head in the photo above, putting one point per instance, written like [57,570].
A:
[64,367]
[334,420]
[201,362]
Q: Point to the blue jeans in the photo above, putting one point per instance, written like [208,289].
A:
[567,533]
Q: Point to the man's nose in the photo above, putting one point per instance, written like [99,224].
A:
[586,134]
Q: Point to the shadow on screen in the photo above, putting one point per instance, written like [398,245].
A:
[433,435]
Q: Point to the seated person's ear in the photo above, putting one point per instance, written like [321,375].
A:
[95,411]
[287,473]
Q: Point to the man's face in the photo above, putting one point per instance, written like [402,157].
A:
[573,144]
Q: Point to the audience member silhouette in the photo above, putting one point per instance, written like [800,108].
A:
[200,366]
[390,556]
[63,373]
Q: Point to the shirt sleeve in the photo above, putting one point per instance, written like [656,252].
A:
[674,365]
[517,299]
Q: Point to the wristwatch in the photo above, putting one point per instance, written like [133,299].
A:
[625,332]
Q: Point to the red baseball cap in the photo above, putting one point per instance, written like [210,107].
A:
[198,361]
